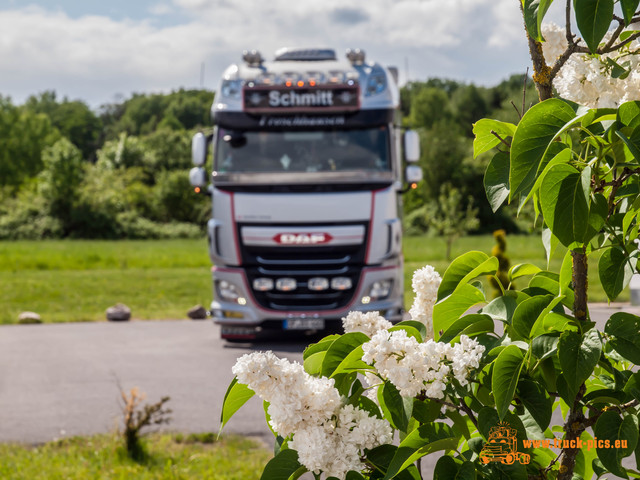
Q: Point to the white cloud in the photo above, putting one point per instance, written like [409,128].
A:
[95,57]
[160,9]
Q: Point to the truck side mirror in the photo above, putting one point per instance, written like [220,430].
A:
[411,146]
[199,149]
[413,174]
[198,178]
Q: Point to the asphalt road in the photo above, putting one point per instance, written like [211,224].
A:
[60,380]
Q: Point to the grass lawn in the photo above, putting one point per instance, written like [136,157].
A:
[161,279]
[170,457]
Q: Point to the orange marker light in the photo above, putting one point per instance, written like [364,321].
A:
[197,189]
[312,83]
[414,186]
[288,83]
[300,83]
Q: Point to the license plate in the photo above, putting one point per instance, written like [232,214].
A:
[304,324]
[238,331]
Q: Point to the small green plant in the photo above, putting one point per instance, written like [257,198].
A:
[137,417]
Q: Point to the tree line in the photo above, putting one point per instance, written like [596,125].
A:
[122,171]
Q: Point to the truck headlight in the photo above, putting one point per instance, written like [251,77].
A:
[380,289]
[231,89]
[228,291]
[376,82]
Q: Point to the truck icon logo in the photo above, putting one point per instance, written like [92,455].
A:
[315,238]
[502,446]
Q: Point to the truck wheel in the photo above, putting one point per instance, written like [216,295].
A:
[509,459]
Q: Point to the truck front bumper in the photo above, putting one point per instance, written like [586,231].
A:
[244,318]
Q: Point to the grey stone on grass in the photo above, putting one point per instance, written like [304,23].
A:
[118,313]
[26,318]
[197,313]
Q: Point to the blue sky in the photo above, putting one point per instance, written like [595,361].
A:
[100,52]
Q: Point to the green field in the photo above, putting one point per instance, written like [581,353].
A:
[170,457]
[161,279]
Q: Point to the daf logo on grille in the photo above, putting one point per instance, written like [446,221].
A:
[315,238]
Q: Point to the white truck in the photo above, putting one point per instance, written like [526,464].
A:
[305,183]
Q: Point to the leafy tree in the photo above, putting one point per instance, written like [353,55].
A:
[168,149]
[429,105]
[74,120]
[177,201]
[23,137]
[469,106]
[61,178]
[125,152]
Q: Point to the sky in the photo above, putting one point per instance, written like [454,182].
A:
[103,52]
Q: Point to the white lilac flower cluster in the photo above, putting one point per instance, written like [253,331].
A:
[415,367]
[583,78]
[337,447]
[328,436]
[425,285]
[368,323]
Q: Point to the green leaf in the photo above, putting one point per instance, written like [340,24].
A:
[496,180]
[484,139]
[545,346]
[535,132]
[422,441]
[395,407]
[450,309]
[506,372]
[632,386]
[629,7]
[578,356]
[610,428]
[593,18]
[322,346]
[527,313]
[629,112]
[236,396]
[552,322]
[566,273]
[458,270]
[426,411]
[522,270]
[537,402]
[501,308]
[598,211]
[411,331]
[565,204]
[635,152]
[551,159]
[446,469]
[340,349]
[469,325]
[534,11]
[550,243]
[616,269]
[419,326]
[625,329]
[313,363]
[282,466]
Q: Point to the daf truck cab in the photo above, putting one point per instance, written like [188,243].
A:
[306,181]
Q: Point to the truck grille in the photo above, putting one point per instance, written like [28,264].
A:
[302,264]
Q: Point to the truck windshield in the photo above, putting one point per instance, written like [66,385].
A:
[303,151]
